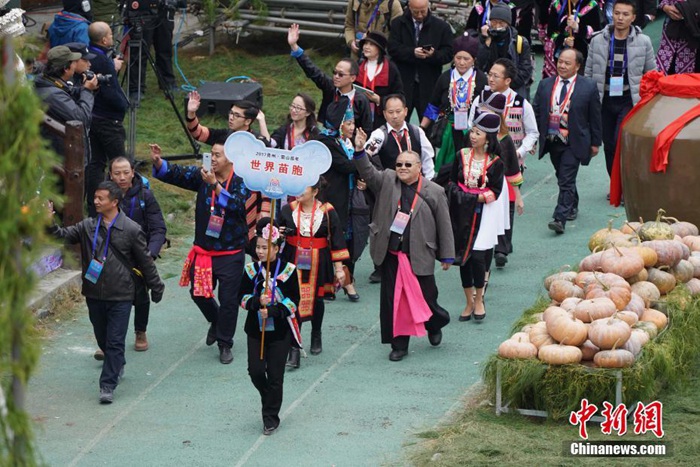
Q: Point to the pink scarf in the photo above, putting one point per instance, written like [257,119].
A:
[411,311]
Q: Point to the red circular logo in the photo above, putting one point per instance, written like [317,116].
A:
[135,5]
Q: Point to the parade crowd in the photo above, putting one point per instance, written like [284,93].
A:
[444,190]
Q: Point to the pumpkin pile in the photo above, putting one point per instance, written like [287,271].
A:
[604,314]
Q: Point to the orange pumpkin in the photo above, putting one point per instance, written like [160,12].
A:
[648,255]
[663,280]
[559,290]
[539,336]
[617,358]
[598,240]
[609,333]
[588,350]
[637,340]
[567,330]
[564,276]
[630,228]
[559,354]
[659,319]
[636,304]
[625,262]
[629,317]
[642,276]
[591,262]
[692,242]
[596,308]
[517,348]
[611,286]
[570,303]
[648,291]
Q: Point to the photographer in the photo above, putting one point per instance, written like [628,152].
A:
[154,28]
[82,66]
[107,134]
[64,101]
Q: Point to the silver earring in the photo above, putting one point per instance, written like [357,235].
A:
[486,147]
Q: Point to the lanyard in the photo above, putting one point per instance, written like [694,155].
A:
[612,57]
[109,233]
[131,209]
[466,99]
[561,106]
[487,12]
[398,140]
[579,5]
[372,17]
[311,226]
[274,280]
[213,194]
[415,196]
[509,103]
[366,75]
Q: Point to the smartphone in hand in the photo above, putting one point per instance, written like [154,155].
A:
[427,47]
[206,161]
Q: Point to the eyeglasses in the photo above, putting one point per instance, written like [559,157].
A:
[340,74]
[235,115]
[296,108]
[494,75]
[408,165]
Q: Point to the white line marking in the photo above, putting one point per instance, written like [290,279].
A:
[104,431]
[537,185]
[305,394]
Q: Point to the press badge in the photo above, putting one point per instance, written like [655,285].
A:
[400,222]
[461,119]
[304,258]
[554,127]
[94,270]
[616,86]
[215,225]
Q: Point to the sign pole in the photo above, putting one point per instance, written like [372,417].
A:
[267,276]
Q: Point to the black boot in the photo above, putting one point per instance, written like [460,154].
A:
[316,345]
[294,357]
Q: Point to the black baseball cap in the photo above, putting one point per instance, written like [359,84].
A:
[82,49]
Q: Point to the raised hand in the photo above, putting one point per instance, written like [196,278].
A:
[193,103]
[293,36]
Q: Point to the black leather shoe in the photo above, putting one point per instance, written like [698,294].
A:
[294,358]
[316,344]
[375,277]
[573,215]
[211,334]
[225,355]
[501,260]
[397,355]
[353,297]
[435,338]
[557,226]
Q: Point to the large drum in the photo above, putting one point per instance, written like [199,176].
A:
[678,189]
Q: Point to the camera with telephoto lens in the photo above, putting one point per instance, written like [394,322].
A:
[102,79]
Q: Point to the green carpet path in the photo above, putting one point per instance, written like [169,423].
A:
[348,406]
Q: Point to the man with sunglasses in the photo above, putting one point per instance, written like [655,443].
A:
[411,229]
[341,84]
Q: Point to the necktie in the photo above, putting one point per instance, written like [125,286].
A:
[418,28]
[398,136]
[564,88]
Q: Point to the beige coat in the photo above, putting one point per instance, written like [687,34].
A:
[359,12]
[431,231]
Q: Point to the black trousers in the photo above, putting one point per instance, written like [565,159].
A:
[110,322]
[142,307]
[227,272]
[505,241]
[159,34]
[473,272]
[267,375]
[566,168]
[107,139]
[428,287]
[613,111]
[414,100]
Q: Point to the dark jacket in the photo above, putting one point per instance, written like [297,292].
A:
[402,44]
[360,104]
[338,178]
[585,126]
[141,207]
[230,203]
[115,282]
[589,22]
[110,101]
[65,103]
[509,49]
[249,297]
[440,99]
[394,86]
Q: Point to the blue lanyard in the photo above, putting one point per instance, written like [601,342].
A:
[274,280]
[131,209]
[373,16]
[612,57]
[564,9]
[109,233]
[487,11]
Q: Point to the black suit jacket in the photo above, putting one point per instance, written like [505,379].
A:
[585,126]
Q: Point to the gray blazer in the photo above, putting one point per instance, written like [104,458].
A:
[640,59]
[431,231]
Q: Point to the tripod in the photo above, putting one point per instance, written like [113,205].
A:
[137,45]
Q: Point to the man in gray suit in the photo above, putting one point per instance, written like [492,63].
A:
[411,229]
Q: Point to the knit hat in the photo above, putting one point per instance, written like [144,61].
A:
[82,49]
[11,22]
[502,12]
[79,7]
[488,122]
[467,44]
[493,101]
[62,55]
[375,38]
